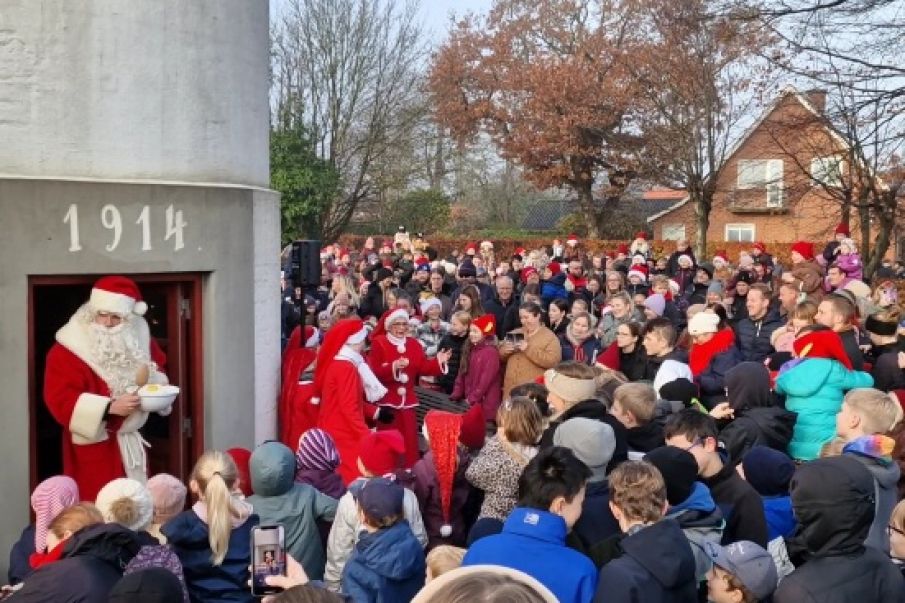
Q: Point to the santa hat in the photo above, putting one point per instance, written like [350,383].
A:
[555,268]
[685,259]
[422,261]
[136,492]
[572,240]
[241,457]
[527,272]
[623,248]
[804,248]
[521,251]
[760,247]
[428,303]
[486,244]
[443,430]
[47,501]
[471,249]
[721,257]
[348,330]
[380,452]
[674,287]
[117,295]
[395,315]
[639,270]
[473,429]
[486,324]
[822,344]
[641,235]
[842,229]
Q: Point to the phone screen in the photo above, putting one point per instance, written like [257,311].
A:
[268,557]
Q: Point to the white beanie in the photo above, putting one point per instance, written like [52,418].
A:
[133,490]
[703,322]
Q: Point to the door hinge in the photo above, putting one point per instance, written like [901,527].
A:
[186,309]
[187,427]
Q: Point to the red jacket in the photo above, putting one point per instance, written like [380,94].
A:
[401,386]
[342,414]
[482,384]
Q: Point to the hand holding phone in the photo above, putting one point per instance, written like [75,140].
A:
[268,558]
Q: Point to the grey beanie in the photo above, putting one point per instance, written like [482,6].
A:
[592,442]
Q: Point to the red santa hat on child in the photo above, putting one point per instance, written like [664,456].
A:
[639,270]
[822,344]
[471,249]
[443,430]
[380,452]
[805,249]
[572,240]
[486,324]
[842,229]
[526,273]
[117,295]
[721,256]
[346,331]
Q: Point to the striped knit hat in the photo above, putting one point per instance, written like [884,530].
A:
[50,497]
[317,450]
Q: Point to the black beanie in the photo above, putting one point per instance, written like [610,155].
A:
[679,469]
[768,471]
[679,390]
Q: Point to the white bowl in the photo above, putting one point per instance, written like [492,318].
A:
[155,398]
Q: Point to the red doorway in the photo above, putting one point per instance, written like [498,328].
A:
[174,318]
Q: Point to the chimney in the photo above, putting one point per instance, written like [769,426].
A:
[817,98]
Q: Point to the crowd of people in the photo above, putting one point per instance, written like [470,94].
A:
[621,427]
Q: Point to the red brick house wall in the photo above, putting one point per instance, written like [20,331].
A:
[790,131]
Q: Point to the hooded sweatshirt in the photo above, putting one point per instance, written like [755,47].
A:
[657,566]
[278,499]
[701,521]
[874,453]
[387,566]
[833,500]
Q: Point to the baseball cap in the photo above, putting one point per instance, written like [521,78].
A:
[380,497]
[747,561]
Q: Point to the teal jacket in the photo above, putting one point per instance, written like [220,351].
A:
[814,388]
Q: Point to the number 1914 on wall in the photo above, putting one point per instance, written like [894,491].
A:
[111,218]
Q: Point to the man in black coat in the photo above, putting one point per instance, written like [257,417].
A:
[753,334]
[833,500]
[502,301]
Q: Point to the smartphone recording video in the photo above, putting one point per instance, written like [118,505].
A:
[268,557]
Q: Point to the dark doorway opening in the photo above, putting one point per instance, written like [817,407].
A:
[174,318]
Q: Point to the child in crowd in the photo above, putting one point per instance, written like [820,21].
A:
[168,495]
[770,472]
[696,432]
[49,498]
[443,559]
[459,324]
[496,469]
[896,531]
[535,392]
[478,381]
[743,572]
[440,483]
[657,563]
[317,461]
[592,443]
[849,260]
[387,563]
[866,415]
[814,384]
[551,492]
[128,503]
[690,503]
[380,454]
[279,499]
[213,538]
[433,328]
[634,405]
[61,528]
[659,343]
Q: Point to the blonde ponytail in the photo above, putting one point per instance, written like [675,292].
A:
[216,476]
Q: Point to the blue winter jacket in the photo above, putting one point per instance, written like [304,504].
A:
[188,536]
[780,520]
[814,388]
[533,541]
[553,288]
[386,566]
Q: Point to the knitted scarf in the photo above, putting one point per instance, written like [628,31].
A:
[701,354]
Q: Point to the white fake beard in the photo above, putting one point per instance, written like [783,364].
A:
[117,353]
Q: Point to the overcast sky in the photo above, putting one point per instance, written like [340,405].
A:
[435,14]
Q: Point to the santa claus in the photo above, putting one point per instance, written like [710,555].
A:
[100,358]
[399,361]
[346,389]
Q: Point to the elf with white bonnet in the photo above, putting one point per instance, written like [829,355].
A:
[100,355]
[399,361]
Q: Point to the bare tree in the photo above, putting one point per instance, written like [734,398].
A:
[349,73]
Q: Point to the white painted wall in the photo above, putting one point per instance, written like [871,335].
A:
[135,89]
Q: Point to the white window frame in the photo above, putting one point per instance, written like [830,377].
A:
[739,226]
[673,231]
[759,173]
[822,168]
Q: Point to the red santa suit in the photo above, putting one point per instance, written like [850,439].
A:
[345,388]
[401,397]
[98,448]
